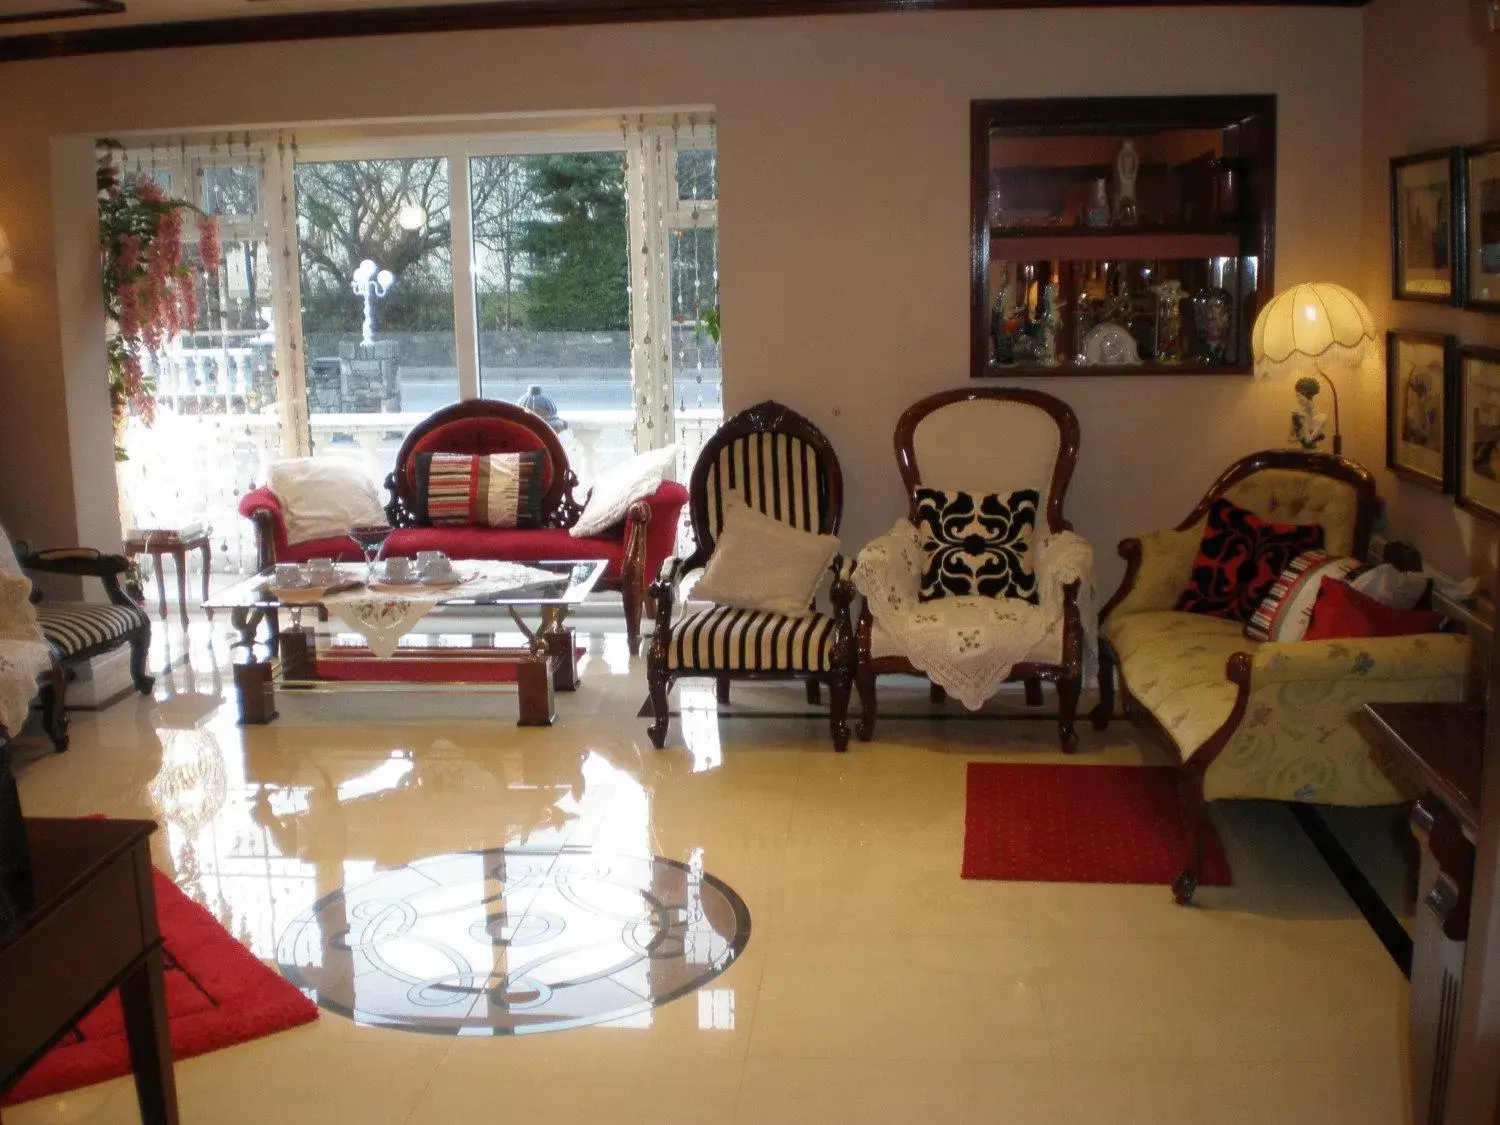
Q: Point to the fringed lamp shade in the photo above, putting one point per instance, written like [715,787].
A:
[1312,330]
[1319,328]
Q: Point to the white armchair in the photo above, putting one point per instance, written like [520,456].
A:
[982,441]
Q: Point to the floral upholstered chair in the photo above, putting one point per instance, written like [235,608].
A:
[1264,719]
[985,582]
[777,464]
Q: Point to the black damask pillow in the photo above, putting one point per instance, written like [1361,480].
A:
[1239,560]
[977,544]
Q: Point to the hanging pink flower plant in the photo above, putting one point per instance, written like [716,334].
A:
[150,293]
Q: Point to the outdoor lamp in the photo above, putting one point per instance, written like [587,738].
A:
[1313,330]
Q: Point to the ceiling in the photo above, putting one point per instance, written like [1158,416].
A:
[48,28]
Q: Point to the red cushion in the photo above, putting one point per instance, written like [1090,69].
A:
[506,544]
[1342,611]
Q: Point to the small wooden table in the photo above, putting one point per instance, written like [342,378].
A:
[1441,747]
[82,925]
[177,542]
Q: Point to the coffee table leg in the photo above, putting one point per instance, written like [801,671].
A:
[143,999]
[562,648]
[255,689]
[534,688]
[181,558]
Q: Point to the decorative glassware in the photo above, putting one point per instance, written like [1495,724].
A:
[1098,214]
[370,538]
[1168,321]
[1213,314]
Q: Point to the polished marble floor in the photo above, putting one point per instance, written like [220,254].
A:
[876,985]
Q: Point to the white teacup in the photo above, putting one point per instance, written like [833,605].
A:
[322,570]
[288,576]
[434,565]
[398,568]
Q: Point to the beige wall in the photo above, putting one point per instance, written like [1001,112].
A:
[844,240]
[1431,79]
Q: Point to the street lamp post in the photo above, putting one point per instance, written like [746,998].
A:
[370,282]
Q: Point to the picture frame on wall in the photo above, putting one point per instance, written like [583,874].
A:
[1477,487]
[1481,179]
[1421,407]
[1426,215]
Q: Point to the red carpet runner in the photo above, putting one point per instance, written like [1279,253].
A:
[218,994]
[1079,824]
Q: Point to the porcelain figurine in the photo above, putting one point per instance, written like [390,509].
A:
[1127,167]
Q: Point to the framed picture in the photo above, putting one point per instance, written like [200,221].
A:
[1478,485]
[1481,181]
[1421,407]
[1426,248]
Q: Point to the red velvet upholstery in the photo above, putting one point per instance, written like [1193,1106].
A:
[528,545]
[476,437]
[340,547]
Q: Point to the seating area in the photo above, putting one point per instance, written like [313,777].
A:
[1036,666]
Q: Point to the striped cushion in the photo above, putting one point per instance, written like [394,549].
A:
[774,473]
[724,639]
[74,626]
[494,490]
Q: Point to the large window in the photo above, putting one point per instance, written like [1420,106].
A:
[367,283]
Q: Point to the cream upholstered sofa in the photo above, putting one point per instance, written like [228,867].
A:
[1246,719]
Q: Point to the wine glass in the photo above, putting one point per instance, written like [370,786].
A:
[370,538]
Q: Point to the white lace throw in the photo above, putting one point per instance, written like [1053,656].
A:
[969,645]
[383,617]
[24,653]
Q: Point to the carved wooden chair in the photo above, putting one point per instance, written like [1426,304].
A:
[984,440]
[782,465]
[1247,719]
[79,631]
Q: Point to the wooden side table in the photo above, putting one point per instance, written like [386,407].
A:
[1440,746]
[81,922]
[177,542]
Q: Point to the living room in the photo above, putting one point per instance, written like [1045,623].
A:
[877,984]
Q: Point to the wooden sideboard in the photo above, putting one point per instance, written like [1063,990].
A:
[1441,747]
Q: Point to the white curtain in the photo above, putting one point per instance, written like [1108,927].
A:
[648,182]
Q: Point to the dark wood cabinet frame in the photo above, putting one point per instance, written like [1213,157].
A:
[1249,120]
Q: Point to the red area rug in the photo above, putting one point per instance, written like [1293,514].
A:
[1079,824]
[218,994]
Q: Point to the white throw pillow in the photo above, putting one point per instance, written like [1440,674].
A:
[324,496]
[1398,589]
[761,563]
[619,487]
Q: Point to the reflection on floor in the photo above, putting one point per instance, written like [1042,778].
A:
[876,986]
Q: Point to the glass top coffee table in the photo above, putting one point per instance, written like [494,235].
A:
[309,652]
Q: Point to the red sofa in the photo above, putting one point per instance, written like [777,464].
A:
[635,548]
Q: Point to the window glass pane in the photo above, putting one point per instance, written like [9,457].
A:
[231,192]
[551,286]
[374,241]
[697,174]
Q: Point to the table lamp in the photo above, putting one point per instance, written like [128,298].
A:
[1313,331]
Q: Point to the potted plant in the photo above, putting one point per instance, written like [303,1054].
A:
[150,293]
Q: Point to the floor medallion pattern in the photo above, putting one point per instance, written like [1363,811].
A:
[511,942]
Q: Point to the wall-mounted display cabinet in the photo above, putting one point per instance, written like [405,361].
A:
[1120,236]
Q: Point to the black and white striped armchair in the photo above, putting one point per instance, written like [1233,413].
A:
[783,466]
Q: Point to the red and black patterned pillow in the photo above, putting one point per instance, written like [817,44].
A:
[1239,560]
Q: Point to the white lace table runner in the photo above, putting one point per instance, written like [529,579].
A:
[969,645]
[382,617]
